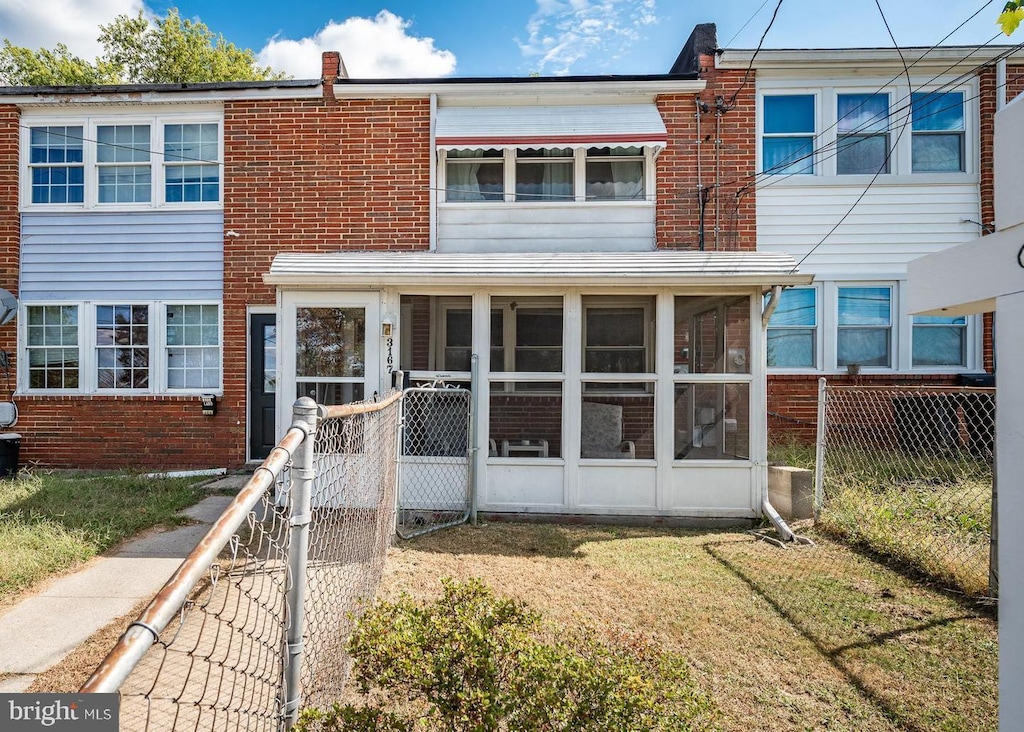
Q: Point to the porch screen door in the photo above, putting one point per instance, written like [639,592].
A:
[335,358]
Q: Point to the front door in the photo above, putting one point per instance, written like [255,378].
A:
[262,385]
[333,352]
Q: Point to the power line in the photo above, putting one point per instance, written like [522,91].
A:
[756,13]
[750,66]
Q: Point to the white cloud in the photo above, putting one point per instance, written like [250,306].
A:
[564,32]
[75,23]
[373,48]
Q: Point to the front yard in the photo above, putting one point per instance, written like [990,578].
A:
[816,638]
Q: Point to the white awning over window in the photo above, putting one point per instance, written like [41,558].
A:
[550,126]
[625,269]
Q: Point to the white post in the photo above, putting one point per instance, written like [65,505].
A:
[304,415]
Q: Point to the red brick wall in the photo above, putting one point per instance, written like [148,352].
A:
[725,168]
[10,221]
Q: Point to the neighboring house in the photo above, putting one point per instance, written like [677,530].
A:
[863,165]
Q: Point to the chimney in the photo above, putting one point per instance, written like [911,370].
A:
[703,41]
[332,68]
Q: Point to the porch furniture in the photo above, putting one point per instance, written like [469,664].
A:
[533,448]
[602,432]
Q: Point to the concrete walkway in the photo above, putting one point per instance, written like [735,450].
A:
[41,630]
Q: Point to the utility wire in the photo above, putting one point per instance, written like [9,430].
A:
[750,66]
[756,13]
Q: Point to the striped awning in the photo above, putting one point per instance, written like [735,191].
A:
[619,269]
[550,126]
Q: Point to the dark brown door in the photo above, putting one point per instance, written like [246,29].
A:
[262,385]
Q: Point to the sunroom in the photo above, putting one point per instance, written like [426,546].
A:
[627,384]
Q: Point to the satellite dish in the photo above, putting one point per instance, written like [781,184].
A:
[8,307]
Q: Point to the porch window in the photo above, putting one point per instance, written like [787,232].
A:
[617,421]
[122,347]
[787,141]
[937,129]
[53,360]
[193,346]
[124,174]
[475,175]
[57,164]
[864,334]
[939,341]
[330,354]
[526,422]
[792,330]
[712,421]
[863,127]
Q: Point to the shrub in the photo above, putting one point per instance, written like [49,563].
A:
[481,663]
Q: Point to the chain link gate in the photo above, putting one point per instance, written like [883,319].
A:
[435,488]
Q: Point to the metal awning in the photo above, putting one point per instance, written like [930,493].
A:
[619,269]
[550,126]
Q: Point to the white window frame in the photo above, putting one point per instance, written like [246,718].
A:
[818,328]
[826,92]
[579,158]
[623,302]
[815,134]
[87,360]
[902,334]
[90,125]
[890,134]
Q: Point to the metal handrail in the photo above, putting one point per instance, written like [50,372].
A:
[166,604]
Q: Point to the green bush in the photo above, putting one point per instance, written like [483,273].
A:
[480,663]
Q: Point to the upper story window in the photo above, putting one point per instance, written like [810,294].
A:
[863,134]
[787,145]
[191,152]
[109,163]
[849,130]
[938,132]
[56,164]
[540,175]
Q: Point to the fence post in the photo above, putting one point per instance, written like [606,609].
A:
[819,450]
[474,443]
[304,414]
[993,548]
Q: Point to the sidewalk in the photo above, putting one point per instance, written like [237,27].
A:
[41,630]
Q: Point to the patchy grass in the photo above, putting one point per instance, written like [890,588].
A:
[816,638]
[52,522]
[929,512]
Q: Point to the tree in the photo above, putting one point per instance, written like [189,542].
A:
[171,49]
[1012,15]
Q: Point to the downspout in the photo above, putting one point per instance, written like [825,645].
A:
[702,199]
[766,506]
[432,184]
[1000,84]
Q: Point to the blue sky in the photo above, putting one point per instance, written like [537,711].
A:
[511,37]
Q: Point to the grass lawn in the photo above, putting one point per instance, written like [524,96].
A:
[52,522]
[816,638]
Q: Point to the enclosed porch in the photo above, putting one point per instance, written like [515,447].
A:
[604,384]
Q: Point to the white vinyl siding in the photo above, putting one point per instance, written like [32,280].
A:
[117,256]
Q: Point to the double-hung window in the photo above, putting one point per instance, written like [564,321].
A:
[134,347]
[792,330]
[104,162]
[787,142]
[191,170]
[863,134]
[123,170]
[938,132]
[864,333]
[57,164]
[939,341]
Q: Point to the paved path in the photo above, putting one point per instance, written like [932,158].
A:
[41,630]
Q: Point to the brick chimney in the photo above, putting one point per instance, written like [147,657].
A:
[332,68]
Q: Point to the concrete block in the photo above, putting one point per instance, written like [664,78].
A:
[791,491]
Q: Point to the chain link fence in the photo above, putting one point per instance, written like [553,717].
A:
[436,460]
[908,474]
[253,624]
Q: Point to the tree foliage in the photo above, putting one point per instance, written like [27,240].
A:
[136,50]
[1012,15]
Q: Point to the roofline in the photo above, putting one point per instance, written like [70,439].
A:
[766,58]
[166,93]
[301,281]
[521,87]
